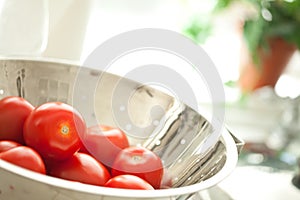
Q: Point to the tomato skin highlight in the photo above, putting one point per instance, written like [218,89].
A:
[81,167]
[7,145]
[25,157]
[13,113]
[104,143]
[53,130]
[140,162]
[126,181]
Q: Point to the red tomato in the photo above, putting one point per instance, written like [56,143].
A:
[127,181]
[83,168]
[53,130]
[14,111]
[140,162]
[26,157]
[8,144]
[104,143]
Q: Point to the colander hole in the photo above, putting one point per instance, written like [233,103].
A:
[158,142]
[182,141]
[122,108]
[156,122]
[128,127]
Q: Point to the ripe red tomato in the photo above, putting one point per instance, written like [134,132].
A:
[83,168]
[14,111]
[8,144]
[104,143]
[53,130]
[26,157]
[140,162]
[127,181]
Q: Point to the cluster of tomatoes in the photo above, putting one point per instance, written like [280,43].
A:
[53,139]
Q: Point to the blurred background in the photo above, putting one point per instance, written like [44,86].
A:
[242,37]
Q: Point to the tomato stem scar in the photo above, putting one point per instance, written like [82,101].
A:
[65,130]
[136,158]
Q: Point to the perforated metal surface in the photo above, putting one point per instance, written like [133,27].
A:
[177,135]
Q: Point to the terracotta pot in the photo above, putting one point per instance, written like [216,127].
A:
[272,64]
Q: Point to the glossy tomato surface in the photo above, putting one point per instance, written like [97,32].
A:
[140,162]
[127,181]
[8,144]
[13,113]
[26,157]
[104,143]
[53,130]
[81,167]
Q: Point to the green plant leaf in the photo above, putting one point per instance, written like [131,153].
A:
[275,18]
[222,4]
[198,29]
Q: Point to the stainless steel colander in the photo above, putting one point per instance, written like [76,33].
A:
[148,116]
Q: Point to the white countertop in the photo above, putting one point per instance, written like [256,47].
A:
[248,183]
